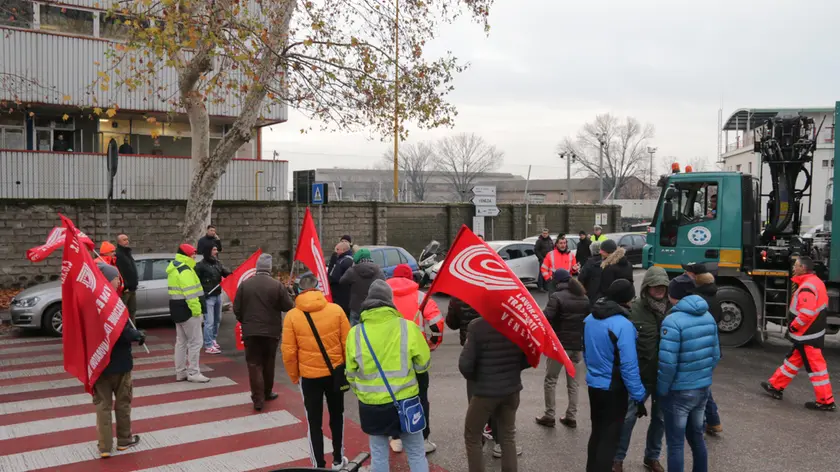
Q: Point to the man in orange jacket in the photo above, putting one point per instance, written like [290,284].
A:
[807,332]
[307,365]
[560,258]
[407,299]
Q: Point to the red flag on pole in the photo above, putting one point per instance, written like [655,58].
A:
[309,252]
[476,274]
[55,240]
[242,273]
[92,313]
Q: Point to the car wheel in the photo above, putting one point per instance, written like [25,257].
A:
[52,321]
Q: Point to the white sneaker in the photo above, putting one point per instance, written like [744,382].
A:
[212,350]
[340,465]
[429,446]
[216,345]
[198,378]
[497,451]
[396,445]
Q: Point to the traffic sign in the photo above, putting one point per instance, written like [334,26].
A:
[487,211]
[317,194]
[484,190]
[481,200]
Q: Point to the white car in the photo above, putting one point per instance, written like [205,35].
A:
[573,240]
[518,255]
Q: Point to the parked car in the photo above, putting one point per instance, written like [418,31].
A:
[39,307]
[633,243]
[388,258]
[519,256]
[573,240]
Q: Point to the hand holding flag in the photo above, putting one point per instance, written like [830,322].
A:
[309,252]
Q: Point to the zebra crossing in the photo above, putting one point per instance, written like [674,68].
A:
[47,421]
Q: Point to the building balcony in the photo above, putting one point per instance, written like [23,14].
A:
[84,175]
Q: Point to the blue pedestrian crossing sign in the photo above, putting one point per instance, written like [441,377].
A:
[318,194]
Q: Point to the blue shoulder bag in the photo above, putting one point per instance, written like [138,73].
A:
[410,411]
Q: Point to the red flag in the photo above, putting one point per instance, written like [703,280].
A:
[480,278]
[309,252]
[92,313]
[54,241]
[242,273]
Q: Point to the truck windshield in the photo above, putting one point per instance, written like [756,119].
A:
[688,203]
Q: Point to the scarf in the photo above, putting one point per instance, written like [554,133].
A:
[659,306]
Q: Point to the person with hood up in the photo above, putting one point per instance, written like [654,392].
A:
[647,313]
[566,309]
[583,252]
[407,299]
[359,278]
[307,365]
[614,264]
[590,273]
[186,307]
[542,247]
[612,372]
[403,353]
[689,350]
[560,258]
[343,262]
[210,272]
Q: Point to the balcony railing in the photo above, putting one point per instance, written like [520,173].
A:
[74,175]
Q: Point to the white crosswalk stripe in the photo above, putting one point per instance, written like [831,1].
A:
[64,383]
[63,455]
[22,360]
[85,399]
[247,459]
[59,347]
[9,340]
[29,372]
[193,405]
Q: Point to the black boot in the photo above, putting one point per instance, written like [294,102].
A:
[773,391]
[821,406]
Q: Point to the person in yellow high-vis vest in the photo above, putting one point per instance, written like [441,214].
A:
[597,234]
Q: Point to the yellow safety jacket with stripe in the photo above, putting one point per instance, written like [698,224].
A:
[598,239]
[186,297]
[402,352]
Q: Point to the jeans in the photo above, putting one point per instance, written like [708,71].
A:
[314,391]
[712,415]
[655,432]
[212,319]
[503,410]
[607,410]
[552,373]
[412,445]
[684,415]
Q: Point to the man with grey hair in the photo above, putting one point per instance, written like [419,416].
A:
[344,261]
[259,305]
[590,272]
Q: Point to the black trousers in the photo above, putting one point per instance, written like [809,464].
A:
[607,411]
[260,355]
[314,391]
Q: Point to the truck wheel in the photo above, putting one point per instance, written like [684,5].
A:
[738,317]
[51,320]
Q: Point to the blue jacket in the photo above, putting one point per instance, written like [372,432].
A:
[610,350]
[689,348]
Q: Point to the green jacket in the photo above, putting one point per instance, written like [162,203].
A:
[400,348]
[648,323]
[186,297]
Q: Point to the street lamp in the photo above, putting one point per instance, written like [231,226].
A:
[569,156]
[651,150]
[602,140]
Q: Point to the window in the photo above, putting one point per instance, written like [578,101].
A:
[159,268]
[749,166]
[112,26]
[16,13]
[626,242]
[510,253]
[392,257]
[825,164]
[689,203]
[12,138]
[639,240]
[378,257]
[66,20]
[528,249]
[405,258]
[738,168]
[141,269]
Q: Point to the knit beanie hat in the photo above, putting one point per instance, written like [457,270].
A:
[680,287]
[561,276]
[404,271]
[347,238]
[621,291]
[609,246]
[380,292]
[362,255]
[264,263]
[187,250]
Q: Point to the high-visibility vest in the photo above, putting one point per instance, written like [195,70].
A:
[599,239]
[809,316]
[557,260]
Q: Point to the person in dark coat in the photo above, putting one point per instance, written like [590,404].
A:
[459,315]
[492,365]
[542,247]
[210,272]
[343,262]
[334,257]
[590,273]
[128,272]
[614,265]
[208,241]
[566,309]
[359,279]
[112,391]
[583,252]
[705,287]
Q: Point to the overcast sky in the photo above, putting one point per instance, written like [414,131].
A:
[548,66]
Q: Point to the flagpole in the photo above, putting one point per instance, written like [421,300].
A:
[135,328]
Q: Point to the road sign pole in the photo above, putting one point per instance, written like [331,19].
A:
[320,220]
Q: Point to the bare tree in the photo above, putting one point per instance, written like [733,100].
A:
[415,163]
[625,150]
[464,157]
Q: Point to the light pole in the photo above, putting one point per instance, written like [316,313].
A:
[397,102]
[602,141]
[569,157]
[651,150]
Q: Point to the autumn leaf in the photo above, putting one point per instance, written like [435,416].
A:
[97,111]
[67,98]
[155,133]
[111,112]
[104,87]
[65,117]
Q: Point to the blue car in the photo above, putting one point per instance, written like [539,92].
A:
[388,258]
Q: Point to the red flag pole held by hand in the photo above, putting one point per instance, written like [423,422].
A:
[309,252]
[476,275]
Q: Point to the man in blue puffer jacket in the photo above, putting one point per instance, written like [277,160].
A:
[612,370]
[689,350]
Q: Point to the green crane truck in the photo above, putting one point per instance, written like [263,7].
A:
[715,217]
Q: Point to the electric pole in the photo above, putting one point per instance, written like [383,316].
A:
[569,157]
[651,150]
[602,141]
[397,103]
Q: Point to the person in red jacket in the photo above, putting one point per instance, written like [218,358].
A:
[807,332]
[407,298]
[560,258]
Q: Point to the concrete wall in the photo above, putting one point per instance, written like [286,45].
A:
[155,226]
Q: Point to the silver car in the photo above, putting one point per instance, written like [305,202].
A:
[39,307]
[518,255]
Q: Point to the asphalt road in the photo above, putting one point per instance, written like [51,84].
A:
[760,434]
